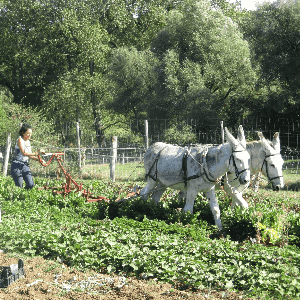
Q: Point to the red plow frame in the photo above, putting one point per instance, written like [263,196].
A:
[71,185]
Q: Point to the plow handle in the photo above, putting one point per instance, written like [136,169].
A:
[56,155]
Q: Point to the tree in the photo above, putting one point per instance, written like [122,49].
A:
[12,114]
[274,34]
[204,63]
[134,81]
[41,41]
[132,23]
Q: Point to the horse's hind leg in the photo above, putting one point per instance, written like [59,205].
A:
[214,206]
[160,189]
[148,189]
[181,195]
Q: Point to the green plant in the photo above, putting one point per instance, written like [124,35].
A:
[156,242]
[180,133]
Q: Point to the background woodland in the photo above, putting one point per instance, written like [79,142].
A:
[105,62]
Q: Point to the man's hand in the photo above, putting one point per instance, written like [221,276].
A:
[41,151]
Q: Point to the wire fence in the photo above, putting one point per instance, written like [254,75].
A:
[95,160]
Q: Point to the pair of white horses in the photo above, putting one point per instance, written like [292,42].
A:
[199,169]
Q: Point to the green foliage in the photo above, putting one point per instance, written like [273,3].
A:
[294,229]
[273,32]
[132,73]
[43,130]
[42,41]
[240,224]
[4,128]
[166,245]
[133,24]
[204,61]
[180,133]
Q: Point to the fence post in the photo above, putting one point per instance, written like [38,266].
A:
[113,157]
[6,158]
[222,132]
[78,145]
[146,134]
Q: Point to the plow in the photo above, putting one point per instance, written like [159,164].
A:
[72,186]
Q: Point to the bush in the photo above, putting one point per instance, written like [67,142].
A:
[180,133]
[43,130]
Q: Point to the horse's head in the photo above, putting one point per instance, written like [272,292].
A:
[240,159]
[273,162]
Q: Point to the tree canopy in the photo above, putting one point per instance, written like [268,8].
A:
[204,62]
[41,41]
[97,59]
[273,31]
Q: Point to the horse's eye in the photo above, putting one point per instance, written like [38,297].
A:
[272,165]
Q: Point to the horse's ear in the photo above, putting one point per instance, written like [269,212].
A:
[276,141]
[266,144]
[260,135]
[241,136]
[230,138]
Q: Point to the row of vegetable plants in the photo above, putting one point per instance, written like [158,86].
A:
[257,253]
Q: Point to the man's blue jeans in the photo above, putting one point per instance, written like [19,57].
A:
[19,171]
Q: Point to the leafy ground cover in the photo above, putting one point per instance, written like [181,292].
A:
[256,255]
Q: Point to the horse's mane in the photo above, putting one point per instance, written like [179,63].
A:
[256,145]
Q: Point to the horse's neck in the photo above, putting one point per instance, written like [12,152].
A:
[218,159]
[257,155]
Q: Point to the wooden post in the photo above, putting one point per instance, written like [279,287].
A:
[7,151]
[78,145]
[113,157]
[222,132]
[146,134]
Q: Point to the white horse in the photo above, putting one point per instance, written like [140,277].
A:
[265,157]
[195,170]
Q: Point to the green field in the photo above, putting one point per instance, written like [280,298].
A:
[257,254]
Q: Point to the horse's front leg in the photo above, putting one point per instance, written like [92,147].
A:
[238,200]
[255,185]
[190,195]
[214,206]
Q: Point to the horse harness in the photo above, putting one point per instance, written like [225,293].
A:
[155,163]
[265,161]
[184,167]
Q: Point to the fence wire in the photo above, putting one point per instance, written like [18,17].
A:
[95,160]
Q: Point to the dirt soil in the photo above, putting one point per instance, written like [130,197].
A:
[48,279]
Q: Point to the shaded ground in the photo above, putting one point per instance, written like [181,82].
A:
[46,279]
